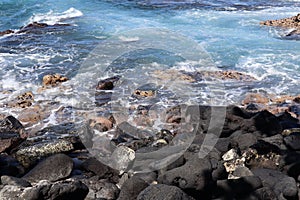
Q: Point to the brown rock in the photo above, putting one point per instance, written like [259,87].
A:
[142,93]
[290,22]
[23,100]
[31,115]
[200,75]
[53,80]
[172,74]
[225,75]
[6,32]
[255,98]
[101,123]
[107,84]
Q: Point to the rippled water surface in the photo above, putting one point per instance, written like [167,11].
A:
[227,31]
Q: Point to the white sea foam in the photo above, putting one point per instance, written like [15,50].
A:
[53,18]
[129,39]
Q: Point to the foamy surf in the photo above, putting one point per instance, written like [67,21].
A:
[52,18]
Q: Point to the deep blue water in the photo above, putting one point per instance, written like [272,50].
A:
[228,31]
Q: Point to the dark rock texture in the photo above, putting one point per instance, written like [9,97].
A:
[53,168]
[99,169]
[280,183]
[12,133]
[67,189]
[163,192]
[10,180]
[131,188]
[101,189]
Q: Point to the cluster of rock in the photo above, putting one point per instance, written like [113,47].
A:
[288,23]
[229,75]
[256,157]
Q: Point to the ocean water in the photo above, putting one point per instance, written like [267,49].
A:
[228,33]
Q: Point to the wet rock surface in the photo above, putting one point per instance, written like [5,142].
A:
[52,80]
[256,155]
[290,22]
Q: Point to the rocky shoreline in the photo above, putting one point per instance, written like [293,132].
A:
[286,23]
[256,157]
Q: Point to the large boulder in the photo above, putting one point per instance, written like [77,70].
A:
[66,189]
[194,175]
[53,168]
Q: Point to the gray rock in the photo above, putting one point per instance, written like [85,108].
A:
[10,180]
[163,192]
[131,188]
[194,174]
[280,183]
[53,168]
[223,144]
[11,133]
[98,168]
[245,140]
[265,193]
[31,153]
[276,140]
[67,189]
[148,177]
[235,188]
[10,166]
[100,189]
[242,172]
[293,170]
[10,192]
[293,141]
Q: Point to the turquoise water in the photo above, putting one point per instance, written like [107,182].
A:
[229,32]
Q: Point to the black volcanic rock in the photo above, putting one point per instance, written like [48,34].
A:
[53,168]
[163,192]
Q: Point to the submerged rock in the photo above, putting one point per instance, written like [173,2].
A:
[24,100]
[148,90]
[201,75]
[39,28]
[255,98]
